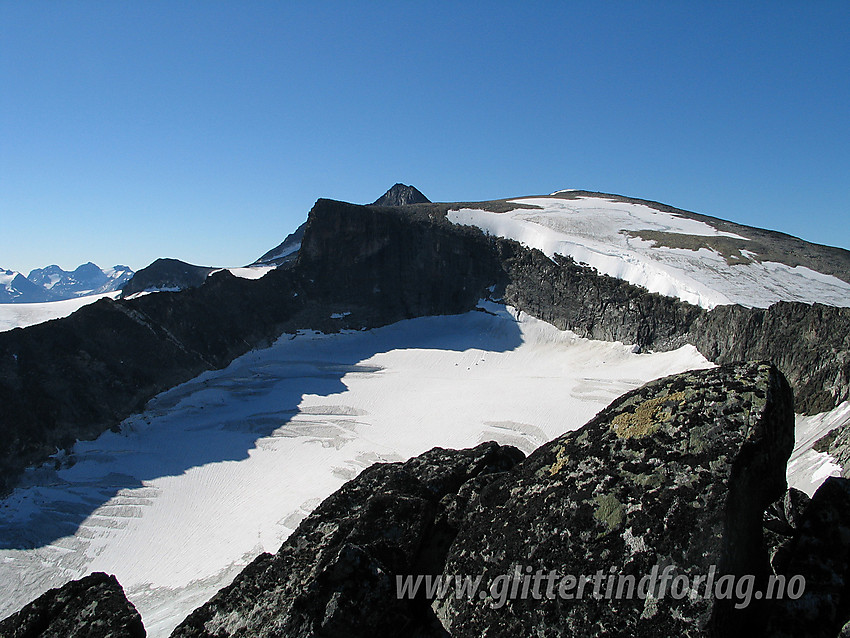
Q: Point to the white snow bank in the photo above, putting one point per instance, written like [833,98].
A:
[285,252]
[807,469]
[21,315]
[224,467]
[595,231]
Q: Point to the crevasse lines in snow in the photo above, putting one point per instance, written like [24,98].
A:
[222,416]
[224,467]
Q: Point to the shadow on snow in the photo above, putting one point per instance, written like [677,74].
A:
[222,416]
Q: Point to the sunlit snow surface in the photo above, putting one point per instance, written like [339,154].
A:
[224,467]
[21,315]
[249,272]
[593,230]
[807,469]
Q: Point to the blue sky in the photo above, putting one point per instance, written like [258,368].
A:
[206,130]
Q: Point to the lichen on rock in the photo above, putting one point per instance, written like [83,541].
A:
[677,473]
[647,417]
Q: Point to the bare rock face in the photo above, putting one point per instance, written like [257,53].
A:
[335,576]
[837,444]
[285,253]
[809,343]
[675,474]
[92,607]
[401,195]
[389,263]
[782,519]
[578,298]
[820,553]
[167,274]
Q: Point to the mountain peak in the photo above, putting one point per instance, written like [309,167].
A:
[401,194]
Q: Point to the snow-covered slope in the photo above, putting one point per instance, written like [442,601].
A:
[807,468]
[667,253]
[224,467]
[21,315]
[15,288]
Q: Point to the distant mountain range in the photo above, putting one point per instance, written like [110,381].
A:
[54,284]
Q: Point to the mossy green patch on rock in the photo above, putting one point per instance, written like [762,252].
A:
[609,512]
[647,417]
[650,480]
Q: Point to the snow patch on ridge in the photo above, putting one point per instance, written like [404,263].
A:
[595,231]
[250,272]
[807,468]
[294,248]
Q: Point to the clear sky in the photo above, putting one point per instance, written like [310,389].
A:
[205,130]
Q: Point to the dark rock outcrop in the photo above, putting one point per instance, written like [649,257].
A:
[578,298]
[286,252]
[809,343]
[677,473]
[781,522]
[401,195]
[92,607]
[167,274]
[394,263]
[820,553]
[836,443]
[336,574]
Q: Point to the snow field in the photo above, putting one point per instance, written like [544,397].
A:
[225,466]
[594,231]
[21,315]
[807,469]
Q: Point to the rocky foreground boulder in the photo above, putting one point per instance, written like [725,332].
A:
[336,574]
[820,552]
[674,476]
[92,607]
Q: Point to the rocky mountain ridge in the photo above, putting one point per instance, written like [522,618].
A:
[286,252]
[395,263]
[168,275]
